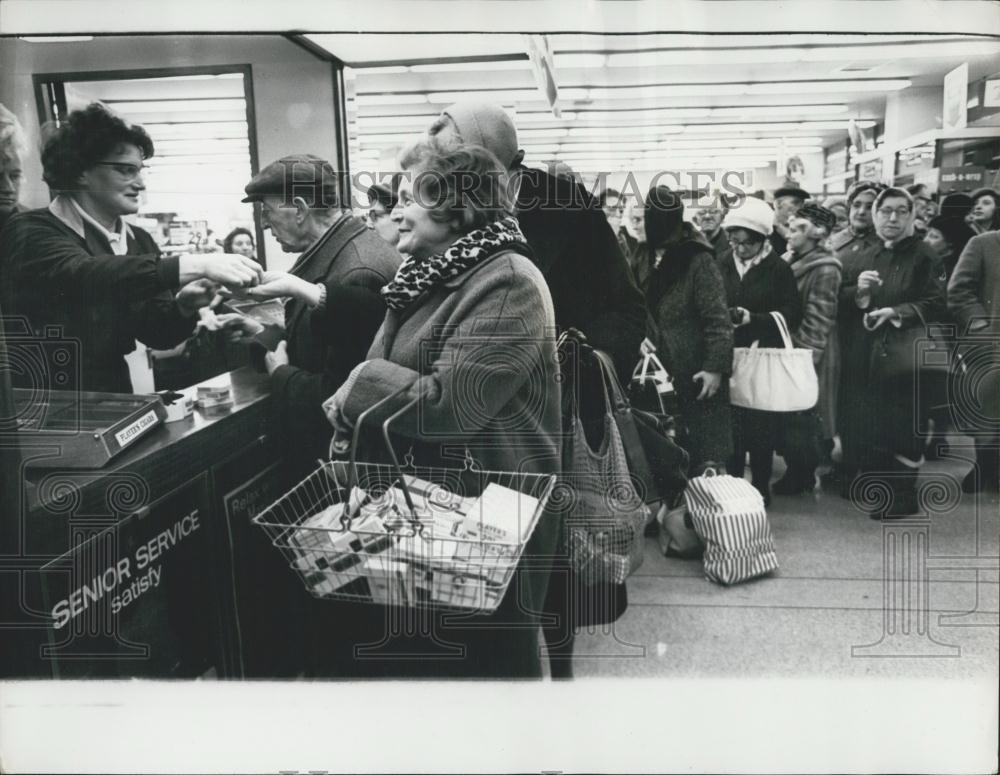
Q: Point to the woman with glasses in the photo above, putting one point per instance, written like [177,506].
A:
[757,282]
[78,265]
[900,285]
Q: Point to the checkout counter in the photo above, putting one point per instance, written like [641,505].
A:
[149,565]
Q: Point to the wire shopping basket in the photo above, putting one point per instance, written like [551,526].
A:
[431,537]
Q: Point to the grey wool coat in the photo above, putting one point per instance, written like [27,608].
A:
[817,275]
[689,325]
[974,294]
[480,348]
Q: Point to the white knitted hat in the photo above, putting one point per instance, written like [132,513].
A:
[753,214]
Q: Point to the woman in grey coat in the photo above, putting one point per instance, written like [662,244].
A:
[470,331]
[690,326]
[817,274]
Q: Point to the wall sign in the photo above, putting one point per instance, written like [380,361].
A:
[956,98]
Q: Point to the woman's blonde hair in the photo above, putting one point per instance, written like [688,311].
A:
[12,139]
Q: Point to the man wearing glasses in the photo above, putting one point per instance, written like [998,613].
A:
[381,201]
[79,266]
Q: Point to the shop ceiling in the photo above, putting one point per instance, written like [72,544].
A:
[648,97]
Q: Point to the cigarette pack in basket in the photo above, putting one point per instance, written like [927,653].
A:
[435,537]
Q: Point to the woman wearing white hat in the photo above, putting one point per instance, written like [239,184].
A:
[758,282]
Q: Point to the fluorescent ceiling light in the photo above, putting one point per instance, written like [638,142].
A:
[386,139]
[643,113]
[471,67]
[580,60]
[624,131]
[710,89]
[531,118]
[57,38]
[391,99]
[421,120]
[721,55]
[770,110]
[227,129]
[787,126]
[818,87]
[177,106]
[507,95]
[382,70]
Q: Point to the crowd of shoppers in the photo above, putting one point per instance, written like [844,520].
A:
[393,301]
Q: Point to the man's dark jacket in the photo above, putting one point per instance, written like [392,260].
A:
[581,258]
[354,264]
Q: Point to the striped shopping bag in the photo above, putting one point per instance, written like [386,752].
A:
[729,516]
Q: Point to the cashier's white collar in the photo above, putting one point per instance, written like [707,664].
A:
[67,210]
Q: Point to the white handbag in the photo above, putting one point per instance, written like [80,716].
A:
[774,379]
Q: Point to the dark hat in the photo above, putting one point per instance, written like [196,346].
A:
[300,175]
[795,191]
[383,194]
[954,229]
[958,205]
[817,215]
[864,185]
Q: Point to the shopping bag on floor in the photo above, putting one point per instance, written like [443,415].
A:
[728,514]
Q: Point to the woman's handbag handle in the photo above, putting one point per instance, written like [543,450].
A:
[786,337]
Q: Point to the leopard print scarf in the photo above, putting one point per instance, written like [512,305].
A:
[416,276]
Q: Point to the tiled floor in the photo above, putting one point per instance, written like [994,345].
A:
[827,599]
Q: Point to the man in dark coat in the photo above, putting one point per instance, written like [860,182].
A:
[309,361]
[574,247]
[974,300]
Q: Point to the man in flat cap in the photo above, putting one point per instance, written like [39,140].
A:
[787,201]
[334,306]
[809,435]
[592,289]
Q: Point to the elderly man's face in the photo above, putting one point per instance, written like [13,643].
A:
[710,220]
[785,207]
[281,220]
[10,181]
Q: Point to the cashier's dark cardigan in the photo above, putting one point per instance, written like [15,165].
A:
[56,278]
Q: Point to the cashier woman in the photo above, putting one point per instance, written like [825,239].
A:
[77,265]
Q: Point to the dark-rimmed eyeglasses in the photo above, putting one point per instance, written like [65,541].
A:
[126,170]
